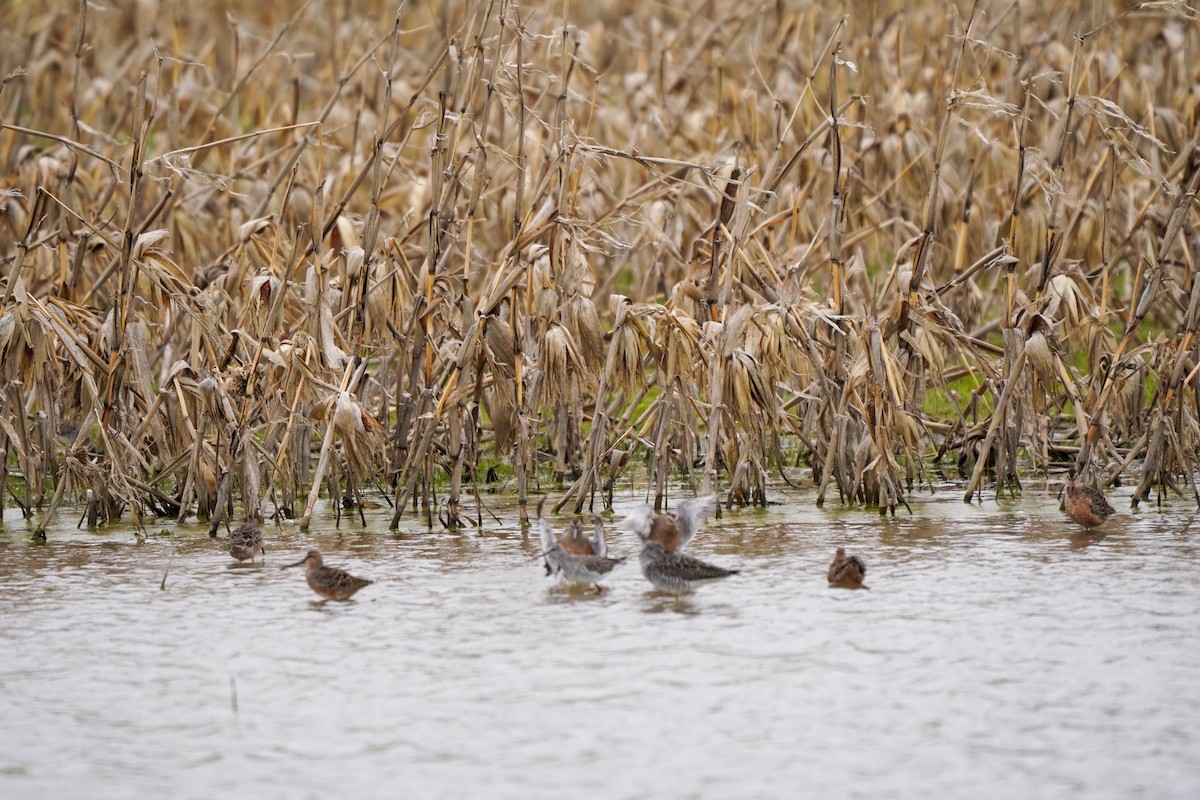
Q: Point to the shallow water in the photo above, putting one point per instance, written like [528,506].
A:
[997,654]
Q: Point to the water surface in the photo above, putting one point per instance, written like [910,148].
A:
[998,653]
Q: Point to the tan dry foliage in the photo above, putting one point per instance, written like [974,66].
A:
[379,240]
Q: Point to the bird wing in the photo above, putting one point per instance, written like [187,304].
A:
[841,568]
[246,535]
[551,549]
[690,515]
[638,521]
[547,534]
[693,569]
[599,546]
[335,578]
[599,565]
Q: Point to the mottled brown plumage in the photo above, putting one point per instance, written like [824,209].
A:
[329,582]
[847,571]
[677,572]
[1085,504]
[246,542]
[664,537]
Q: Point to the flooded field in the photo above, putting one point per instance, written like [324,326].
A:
[998,653]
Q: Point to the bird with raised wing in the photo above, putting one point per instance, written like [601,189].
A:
[672,531]
[663,538]
[573,556]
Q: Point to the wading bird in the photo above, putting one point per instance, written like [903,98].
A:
[672,531]
[246,542]
[576,558]
[329,582]
[664,537]
[1085,504]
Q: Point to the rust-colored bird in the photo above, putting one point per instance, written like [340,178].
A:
[572,555]
[847,571]
[329,582]
[1085,504]
[672,531]
[664,537]
[574,543]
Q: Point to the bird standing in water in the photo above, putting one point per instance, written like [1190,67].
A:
[663,539]
[676,572]
[329,582]
[847,571]
[578,559]
[574,543]
[246,542]
[1085,504]
[672,531]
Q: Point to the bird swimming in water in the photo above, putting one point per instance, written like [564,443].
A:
[246,542]
[847,571]
[1085,504]
[329,582]
[576,558]
[663,539]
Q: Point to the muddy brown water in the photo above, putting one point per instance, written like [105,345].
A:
[998,653]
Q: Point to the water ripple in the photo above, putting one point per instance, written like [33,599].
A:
[991,657]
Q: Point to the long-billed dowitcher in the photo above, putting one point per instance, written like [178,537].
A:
[847,571]
[246,542]
[1085,504]
[664,536]
[672,531]
[329,582]
[572,555]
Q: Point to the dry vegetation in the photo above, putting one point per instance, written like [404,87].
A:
[248,254]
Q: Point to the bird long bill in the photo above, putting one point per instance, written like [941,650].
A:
[298,563]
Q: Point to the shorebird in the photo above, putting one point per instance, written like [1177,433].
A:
[675,572]
[246,542]
[664,537]
[574,543]
[1085,504]
[329,582]
[847,571]
[578,559]
[672,531]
